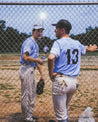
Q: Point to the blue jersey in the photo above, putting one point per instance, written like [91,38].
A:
[32,48]
[67,53]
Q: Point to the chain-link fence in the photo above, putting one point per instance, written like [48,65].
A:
[16,23]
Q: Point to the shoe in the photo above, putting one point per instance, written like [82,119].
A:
[35,117]
[51,120]
[29,119]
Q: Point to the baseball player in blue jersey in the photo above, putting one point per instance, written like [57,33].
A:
[29,61]
[64,65]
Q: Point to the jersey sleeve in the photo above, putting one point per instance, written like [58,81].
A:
[27,47]
[55,49]
[83,49]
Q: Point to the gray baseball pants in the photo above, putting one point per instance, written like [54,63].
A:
[62,95]
[28,90]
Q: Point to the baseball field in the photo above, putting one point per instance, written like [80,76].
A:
[10,90]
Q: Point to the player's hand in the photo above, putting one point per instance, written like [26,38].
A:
[92,47]
[42,77]
[95,47]
[40,61]
[52,76]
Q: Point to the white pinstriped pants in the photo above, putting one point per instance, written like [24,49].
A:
[28,90]
[62,96]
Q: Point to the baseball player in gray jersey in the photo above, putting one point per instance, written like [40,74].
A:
[29,61]
[64,66]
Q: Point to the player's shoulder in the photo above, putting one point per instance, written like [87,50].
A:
[75,41]
[71,39]
[59,40]
[65,40]
[27,41]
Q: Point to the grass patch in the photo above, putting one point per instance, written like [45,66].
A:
[17,98]
[17,92]
[10,69]
[10,54]
[88,68]
[7,96]
[6,86]
[47,92]
[92,53]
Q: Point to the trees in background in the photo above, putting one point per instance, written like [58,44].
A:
[11,40]
[90,37]
[45,41]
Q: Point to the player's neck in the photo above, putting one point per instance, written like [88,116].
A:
[36,39]
[66,36]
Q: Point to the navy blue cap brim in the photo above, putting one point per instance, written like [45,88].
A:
[54,24]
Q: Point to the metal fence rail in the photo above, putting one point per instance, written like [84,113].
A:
[16,23]
[49,3]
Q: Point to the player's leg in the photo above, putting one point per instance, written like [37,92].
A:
[62,121]
[60,107]
[28,91]
[24,95]
[69,97]
[31,91]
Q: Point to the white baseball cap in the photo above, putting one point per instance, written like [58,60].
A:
[37,26]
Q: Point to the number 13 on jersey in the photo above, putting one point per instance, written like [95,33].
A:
[70,53]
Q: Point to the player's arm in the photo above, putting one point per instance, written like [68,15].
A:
[51,58]
[40,70]
[91,48]
[29,59]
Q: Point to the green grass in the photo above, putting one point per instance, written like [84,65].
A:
[88,69]
[92,53]
[10,54]
[42,54]
[6,86]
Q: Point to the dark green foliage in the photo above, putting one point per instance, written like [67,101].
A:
[45,41]
[11,40]
[90,37]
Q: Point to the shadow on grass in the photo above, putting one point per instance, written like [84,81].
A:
[18,117]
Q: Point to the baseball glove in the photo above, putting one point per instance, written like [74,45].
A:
[40,87]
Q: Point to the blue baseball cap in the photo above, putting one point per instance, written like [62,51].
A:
[64,24]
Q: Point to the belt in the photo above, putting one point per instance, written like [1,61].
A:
[26,65]
[23,64]
[60,75]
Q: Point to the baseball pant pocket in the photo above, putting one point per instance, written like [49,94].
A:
[58,85]
[63,85]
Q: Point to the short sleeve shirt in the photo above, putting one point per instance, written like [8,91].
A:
[46,49]
[32,48]
[67,56]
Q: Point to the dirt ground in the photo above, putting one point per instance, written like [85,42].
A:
[10,95]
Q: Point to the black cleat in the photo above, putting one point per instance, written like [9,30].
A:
[35,117]
[51,120]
